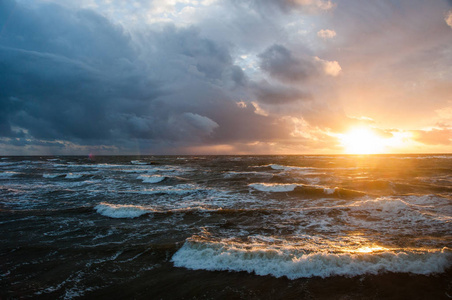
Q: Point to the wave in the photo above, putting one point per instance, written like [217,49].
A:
[273,187]
[179,189]
[447,156]
[291,187]
[9,163]
[96,166]
[134,170]
[408,211]
[48,175]
[329,191]
[233,174]
[119,211]
[74,175]
[289,168]
[279,261]
[8,174]
[151,178]
[139,162]
[134,211]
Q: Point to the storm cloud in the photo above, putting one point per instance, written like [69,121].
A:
[73,75]
[154,77]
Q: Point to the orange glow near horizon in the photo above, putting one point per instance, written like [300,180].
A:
[362,140]
[365,140]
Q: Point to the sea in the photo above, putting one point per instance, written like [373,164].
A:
[226,227]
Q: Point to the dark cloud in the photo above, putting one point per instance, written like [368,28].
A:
[275,95]
[82,79]
[287,6]
[280,63]
[71,75]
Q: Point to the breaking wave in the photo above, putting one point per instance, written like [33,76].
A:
[295,263]
[138,162]
[118,211]
[47,175]
[74,175]
[151,178]
[290,187]
[8,174]
[273,187]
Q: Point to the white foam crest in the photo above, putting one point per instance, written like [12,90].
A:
[232,174]
[194,209]
[288,187]
[313,180]
[428,200]
[134,171]
[383,204]
[179,189]
[8,174]
[151,178]
[281,261]
[74,175]
[170,169]
[398,215]
[119,211]
[273,187]
[288,168]
[9,163]
[328,190]
[48,175]
[93,166]
[107,166]
[138,162]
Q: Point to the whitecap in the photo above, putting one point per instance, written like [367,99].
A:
[273,187]
[138,162]
[180,189]
[74,175]
[151,178]
[119,211]
[232,174]
[134,170]
[8,174]
[295,263]
[290,168]
[329,191]
[47,175]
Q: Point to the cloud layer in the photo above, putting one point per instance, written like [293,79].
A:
[108,78]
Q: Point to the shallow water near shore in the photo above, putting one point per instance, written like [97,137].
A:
[231,227]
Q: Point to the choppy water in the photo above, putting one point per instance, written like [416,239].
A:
[243,227]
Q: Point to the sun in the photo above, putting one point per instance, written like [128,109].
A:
[362,140]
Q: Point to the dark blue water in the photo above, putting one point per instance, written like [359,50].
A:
[243,227]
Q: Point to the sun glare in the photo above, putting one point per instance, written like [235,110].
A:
[362,140]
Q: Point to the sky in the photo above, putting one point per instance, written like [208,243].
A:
[106,77]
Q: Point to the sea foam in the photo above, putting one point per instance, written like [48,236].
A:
[138,162]
[273,187]
[151,178]
[289,168]
[118,211]
[289,187]
[74,175]
[8,174]
[47,175]
[280,261]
